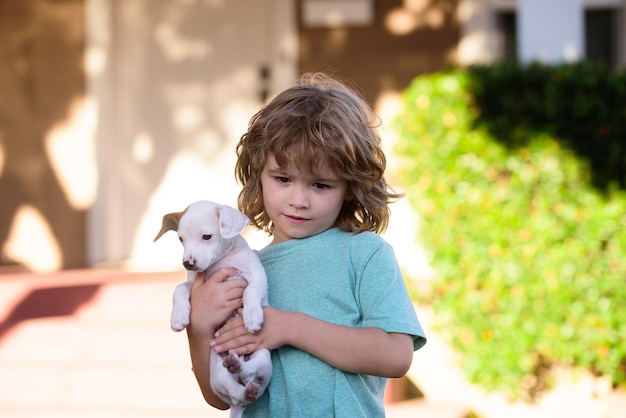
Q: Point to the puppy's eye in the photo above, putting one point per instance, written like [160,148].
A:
[180,239]
[206,237]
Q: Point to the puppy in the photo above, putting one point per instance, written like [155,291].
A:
[210,234]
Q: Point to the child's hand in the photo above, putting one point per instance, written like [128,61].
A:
[233,337]
[214,300]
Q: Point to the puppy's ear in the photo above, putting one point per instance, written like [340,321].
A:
[170,223]
[232,221]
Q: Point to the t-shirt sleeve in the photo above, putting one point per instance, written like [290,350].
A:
[381,291]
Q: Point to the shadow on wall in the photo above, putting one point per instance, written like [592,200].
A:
[176,94]
[161,117]
[49,302]
[41,51]
[180,85]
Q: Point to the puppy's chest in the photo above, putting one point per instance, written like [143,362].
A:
[230,263]
[215,267]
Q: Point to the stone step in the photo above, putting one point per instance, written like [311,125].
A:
[96,344]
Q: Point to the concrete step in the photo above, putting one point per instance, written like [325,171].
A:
[97,343]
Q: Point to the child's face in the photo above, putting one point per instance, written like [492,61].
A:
[300,204]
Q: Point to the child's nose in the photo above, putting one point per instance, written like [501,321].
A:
[299,197]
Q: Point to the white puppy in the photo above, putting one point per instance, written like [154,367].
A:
[210,234]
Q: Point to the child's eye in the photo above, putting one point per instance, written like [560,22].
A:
[320,186]
[282,179]
[206,237]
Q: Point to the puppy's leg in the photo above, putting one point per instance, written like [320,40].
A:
[259,368]
[255,372]
[232,363]
[236,411]
[182,307]
[228,386]
[254,297]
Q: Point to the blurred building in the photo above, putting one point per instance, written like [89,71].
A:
[114,112]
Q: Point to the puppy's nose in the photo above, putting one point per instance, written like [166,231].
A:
[188,264]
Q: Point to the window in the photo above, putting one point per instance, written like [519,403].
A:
[601,36]
[506,27]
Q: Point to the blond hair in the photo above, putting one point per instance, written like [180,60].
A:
[318,121]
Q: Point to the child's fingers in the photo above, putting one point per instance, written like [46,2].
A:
[232,336]
[241,348]
[244,349]
[226,344]
[232,329]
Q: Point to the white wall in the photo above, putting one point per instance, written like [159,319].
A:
[550,31]
[175,84]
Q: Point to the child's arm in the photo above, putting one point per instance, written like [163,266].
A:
[212,302]
[355,350]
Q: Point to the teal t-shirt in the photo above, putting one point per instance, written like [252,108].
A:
[343,278]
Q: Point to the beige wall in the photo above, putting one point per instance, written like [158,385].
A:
[41,83]
[114,112]
[179,82]
[405,38]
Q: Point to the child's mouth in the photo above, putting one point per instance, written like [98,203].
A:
[296,219]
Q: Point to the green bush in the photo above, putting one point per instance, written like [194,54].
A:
[528,241]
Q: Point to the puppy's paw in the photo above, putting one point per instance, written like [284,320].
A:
[179,320]
[253,390]
[253,318]
[232,363]
[179,325]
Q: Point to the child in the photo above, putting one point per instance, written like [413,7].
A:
[340,320]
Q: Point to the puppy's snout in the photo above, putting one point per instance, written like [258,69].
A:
[188,264]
